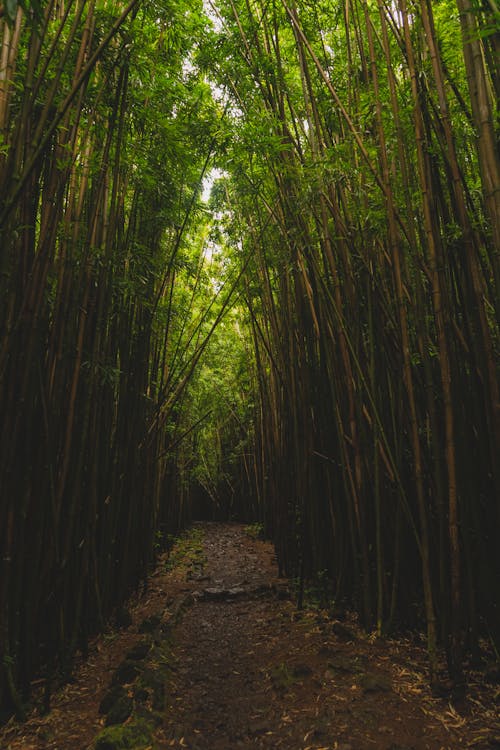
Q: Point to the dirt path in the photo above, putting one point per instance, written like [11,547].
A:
[217,658]
[249,672]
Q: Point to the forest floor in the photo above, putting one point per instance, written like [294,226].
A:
[217,658]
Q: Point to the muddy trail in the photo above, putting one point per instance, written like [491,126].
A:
[215,656]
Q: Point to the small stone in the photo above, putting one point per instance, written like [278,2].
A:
[141,695]
[150,624]
[125,673]
[120,711]
[109,699]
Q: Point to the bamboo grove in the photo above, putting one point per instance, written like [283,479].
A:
[334,373]
[104,139]
[364,180]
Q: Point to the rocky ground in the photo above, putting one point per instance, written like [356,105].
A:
[216,657]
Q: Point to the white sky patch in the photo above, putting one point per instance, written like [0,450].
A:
[213,15]
[209,250]
[398,16]
[208,181]
[187,66]
[218,93]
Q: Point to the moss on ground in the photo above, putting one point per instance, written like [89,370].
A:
[255,530]
[187,549]
[138,735]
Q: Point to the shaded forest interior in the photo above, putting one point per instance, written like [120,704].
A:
[249,268]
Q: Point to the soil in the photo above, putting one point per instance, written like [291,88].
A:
[240,667]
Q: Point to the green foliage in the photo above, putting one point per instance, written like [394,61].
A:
[137,735]
[255,530]
[317,592]
[222,388]
[186,549]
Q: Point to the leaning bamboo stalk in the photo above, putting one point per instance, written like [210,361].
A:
[444,362]
[395,247]
[482,337]
[10,46]
[482,110]
[80,81]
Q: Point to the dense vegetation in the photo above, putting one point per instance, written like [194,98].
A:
[317,347]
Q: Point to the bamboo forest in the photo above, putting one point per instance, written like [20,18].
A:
[250,273]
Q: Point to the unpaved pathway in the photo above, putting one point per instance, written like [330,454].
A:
[250,672]
[226,661]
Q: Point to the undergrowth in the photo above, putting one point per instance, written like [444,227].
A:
[187,549]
